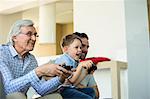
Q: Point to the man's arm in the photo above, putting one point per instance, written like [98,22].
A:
[30,79]
[44,87]
[21,84]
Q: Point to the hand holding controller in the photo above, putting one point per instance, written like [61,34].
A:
[67,67]
[93,68]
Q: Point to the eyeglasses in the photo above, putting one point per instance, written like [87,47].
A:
[29,34]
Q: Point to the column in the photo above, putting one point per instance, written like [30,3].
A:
[47,23]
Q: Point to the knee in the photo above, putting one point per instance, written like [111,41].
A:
[92,93]
[16,95]
[52,96]
[91,90]
[88,97]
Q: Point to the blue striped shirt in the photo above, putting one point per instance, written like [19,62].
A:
[19,74]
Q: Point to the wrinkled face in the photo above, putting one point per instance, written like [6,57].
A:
[74,49]
[25,41]
[85,46]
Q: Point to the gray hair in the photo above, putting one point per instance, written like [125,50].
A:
[15,29]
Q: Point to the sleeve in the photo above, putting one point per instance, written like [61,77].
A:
[92,81]
[85,81]
[88,81]
[43,87]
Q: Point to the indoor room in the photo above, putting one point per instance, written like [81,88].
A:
[117,30]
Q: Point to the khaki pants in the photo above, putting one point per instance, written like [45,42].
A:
[52,96]
[16,95]
[22,96]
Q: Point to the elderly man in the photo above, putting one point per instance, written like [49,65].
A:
[19,68]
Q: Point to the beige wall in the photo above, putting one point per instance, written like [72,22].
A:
[62,30]
[44,49]
[58,38]
[5,23]
[67,28]
[2,38]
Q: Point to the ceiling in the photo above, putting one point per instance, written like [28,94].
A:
[64,8]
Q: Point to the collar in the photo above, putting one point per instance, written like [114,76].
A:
[12,50]
[69,57]
[74,62]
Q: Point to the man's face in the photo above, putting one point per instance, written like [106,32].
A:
[85,46]
[25,41]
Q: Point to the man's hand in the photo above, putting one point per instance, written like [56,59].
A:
[64,76]
[53,70]
[50,70]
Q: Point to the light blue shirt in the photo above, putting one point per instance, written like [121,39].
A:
[88,81]
[19,74]
[68,60]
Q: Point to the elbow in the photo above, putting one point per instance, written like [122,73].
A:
[41,91]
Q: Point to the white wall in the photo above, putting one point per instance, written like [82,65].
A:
[114,27]
[138,49]
[103,21]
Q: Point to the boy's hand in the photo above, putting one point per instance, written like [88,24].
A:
[86,64]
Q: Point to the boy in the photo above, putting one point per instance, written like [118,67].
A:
[71,46]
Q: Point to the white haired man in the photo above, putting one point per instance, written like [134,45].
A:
[19,68]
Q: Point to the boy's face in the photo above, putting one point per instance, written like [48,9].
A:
[74,49]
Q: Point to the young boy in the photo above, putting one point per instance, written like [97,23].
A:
[71,47]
